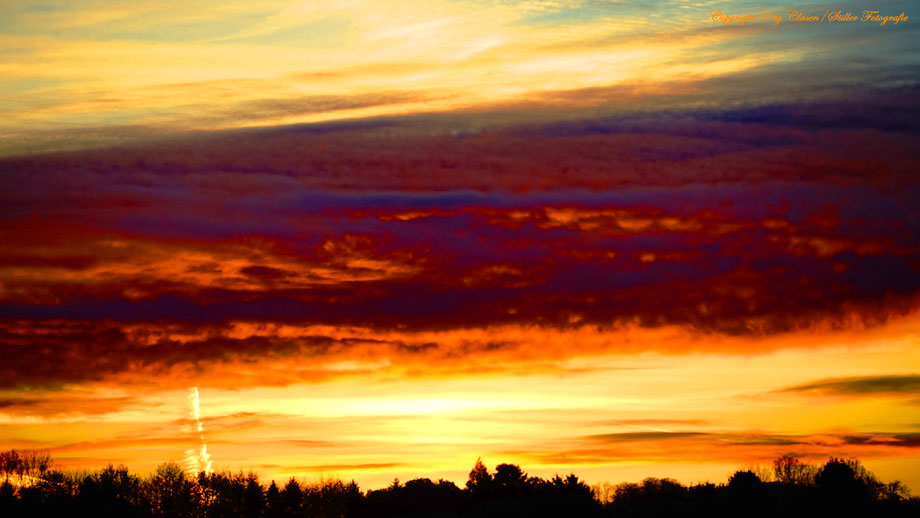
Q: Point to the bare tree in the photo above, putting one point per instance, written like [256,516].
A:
[790,470]
[24,467]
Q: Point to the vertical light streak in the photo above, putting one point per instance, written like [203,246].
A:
[197,460]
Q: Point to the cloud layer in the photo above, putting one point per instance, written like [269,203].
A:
[154,258]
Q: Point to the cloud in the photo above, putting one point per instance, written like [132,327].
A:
[56,353]
[394,242]
[907,384]
[691,446]
[345,467]
[905,440]
[643,436]
[734,439]
[291,107]
[653,422]
[306,443]
[61,353]
[668,148]
[63,405]
[162,67]
[776,265]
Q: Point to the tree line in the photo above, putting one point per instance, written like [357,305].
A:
[30,487]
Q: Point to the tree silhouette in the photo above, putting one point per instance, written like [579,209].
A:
[170,492]
[559,496]
[790,470]
[111,492]
[274,504]
[842,486]
[480,480]
[745,481]
[417,498]
[8,499]
[253,498]
[509,476]
[24,467]
[839,487]
[746,489]
[331,498]
[291,499]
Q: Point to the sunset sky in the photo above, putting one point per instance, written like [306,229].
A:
[375,239]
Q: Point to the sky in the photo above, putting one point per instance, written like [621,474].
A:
[381,240]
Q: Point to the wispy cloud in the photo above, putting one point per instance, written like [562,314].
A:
[907,384]
[218,64]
